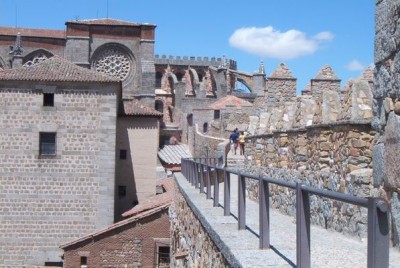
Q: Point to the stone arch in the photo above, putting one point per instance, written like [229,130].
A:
[115,60]
[244,83]
[36,57]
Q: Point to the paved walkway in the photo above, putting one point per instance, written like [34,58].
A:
[328,248]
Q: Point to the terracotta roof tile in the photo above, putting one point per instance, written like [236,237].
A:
[135,107]
[229,100]
[165,198]
[116,225]
[55,69]
[104,21]
[32,32]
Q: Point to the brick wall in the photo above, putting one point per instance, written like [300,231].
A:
[131,245]
[46,201]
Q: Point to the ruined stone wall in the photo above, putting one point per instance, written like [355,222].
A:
[49,200]
[386,107]
[191,245]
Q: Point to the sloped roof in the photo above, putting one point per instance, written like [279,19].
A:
[229,100]
[107,21]
[172,154]
[55,69]
[30,32]
[282,72]
[116,225]
[326,73]
[159,200]
[135,107]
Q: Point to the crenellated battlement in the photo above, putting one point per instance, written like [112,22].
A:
[194,61]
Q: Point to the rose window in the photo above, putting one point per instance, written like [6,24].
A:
[113,62]
[36,59]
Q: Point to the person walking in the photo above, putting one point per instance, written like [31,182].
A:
[234,138]
[242,137]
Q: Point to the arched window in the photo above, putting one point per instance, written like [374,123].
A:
[158,79]
[159,106]
[205,127]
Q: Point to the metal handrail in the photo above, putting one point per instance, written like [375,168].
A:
[198,172]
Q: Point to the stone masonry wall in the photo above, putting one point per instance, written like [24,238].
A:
[46,201]
[386,107]
[190,240]
[335,157]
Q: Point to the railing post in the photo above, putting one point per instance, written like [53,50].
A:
[227,193]
[264,213]
[201,178]
[302,228]
[216,188]
[192,172]
[197,174]
[378,233]
[242,202]
[208,181]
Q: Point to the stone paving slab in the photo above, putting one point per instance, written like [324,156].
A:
[328,248]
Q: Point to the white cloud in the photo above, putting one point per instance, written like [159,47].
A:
[355,65]
[269,42]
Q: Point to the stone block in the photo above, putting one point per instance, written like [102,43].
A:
[391,152]
[395,209]
[378,164]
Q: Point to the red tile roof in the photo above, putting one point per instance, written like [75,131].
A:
[32,32]
[163,199]
[104,21]
[55,69]
[229,100]
[135,107]
[116,225]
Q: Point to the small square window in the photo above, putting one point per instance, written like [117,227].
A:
[48,99]
[83,262]
[216,114]
[122,154]
[121,190]
[163,256]
[47,143]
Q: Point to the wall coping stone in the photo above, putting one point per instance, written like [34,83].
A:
[305,129]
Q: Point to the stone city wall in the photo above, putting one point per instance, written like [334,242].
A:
[191,245]
[386,107]
[335,157]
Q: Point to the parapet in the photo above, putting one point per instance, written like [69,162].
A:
[192,61]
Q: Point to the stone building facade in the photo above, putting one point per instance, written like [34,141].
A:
[58,128]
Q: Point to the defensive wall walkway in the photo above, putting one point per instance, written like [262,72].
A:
[241,248]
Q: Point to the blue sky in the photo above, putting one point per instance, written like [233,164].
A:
[304,34]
